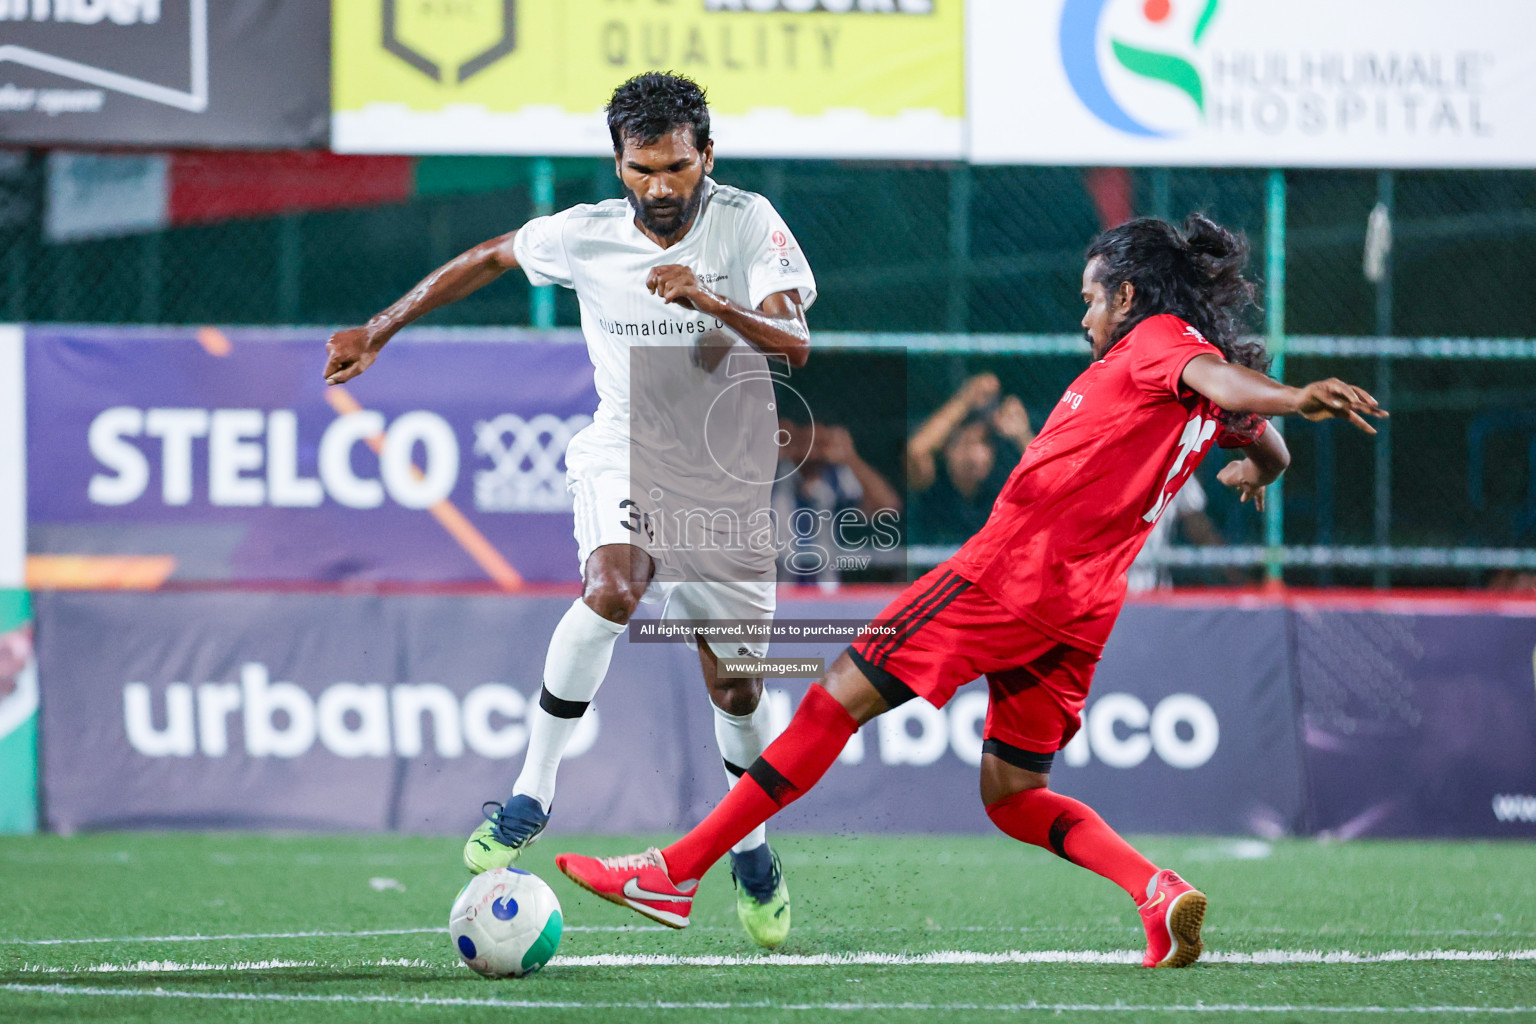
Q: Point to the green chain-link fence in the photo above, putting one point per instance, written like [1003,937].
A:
[968,254]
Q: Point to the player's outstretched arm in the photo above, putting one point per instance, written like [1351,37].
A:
[777,326]
[1239,389]
[353,350]
[1261,465]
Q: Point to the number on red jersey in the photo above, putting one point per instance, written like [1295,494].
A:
[1197,433]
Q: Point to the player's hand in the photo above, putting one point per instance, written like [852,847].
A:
[979,390]
[677,285]
[1236,476]
[1334,399]
[349,353]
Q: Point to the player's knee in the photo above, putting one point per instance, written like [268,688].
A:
[612,597]
[736,697]
[1001,780]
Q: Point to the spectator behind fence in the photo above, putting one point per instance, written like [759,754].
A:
[821,472]
[959,459]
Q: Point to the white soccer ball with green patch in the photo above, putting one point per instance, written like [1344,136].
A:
[506,923]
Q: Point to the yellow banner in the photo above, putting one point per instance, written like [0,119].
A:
[463,75]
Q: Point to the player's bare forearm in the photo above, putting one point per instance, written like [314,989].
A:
[1269,456]
[459,277]
[1261,465]
[1239,389]
[776,327]
[352,351]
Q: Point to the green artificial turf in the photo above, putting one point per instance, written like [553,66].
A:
[896,895]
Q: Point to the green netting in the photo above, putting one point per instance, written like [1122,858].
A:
[953,249]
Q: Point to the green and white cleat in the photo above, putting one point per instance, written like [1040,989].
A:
[762,897]
[500,839]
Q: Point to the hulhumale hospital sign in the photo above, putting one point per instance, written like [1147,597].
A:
[1320,83]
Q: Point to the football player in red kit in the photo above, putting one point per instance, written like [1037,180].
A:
[1030,600]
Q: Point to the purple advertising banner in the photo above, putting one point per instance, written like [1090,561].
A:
[224,455]
[1418,724]
[406,712]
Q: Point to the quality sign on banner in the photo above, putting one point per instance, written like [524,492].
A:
[786,78]
[1306,83]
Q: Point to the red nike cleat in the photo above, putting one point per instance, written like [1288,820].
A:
[638,881]
[1172,916]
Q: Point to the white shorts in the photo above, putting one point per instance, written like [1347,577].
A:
[606,514]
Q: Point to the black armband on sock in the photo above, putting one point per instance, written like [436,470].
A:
[561,708]
[778,788]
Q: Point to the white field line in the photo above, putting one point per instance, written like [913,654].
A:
[941,957]
[534,1004]
[122,939]
[622,928]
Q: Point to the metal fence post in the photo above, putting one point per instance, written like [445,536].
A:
[958,312]
[543,205]
[1162,193]
[1274,296]
[1385,188]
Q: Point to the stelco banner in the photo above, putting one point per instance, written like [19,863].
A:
[165,72]
[198,455]
[262,711]
[1306,83]
[786,78]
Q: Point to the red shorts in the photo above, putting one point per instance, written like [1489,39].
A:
[943,631]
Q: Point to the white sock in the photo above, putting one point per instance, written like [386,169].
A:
[742,740]
[579,652]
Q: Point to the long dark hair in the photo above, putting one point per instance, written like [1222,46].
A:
[1195,274]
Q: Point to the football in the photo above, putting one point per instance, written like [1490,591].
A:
[506,923]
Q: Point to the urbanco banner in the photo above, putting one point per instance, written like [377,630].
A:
[1308,83]
[204,73]
[785,78]
[247,710]
[198,455]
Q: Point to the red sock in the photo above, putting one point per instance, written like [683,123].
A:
[1073,831]
[791,765]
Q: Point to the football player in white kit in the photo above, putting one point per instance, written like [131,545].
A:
[681,264]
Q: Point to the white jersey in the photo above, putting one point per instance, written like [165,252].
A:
[1145,574]
[738,247]
[645,349]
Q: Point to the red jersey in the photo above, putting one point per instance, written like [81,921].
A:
[1107,462]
